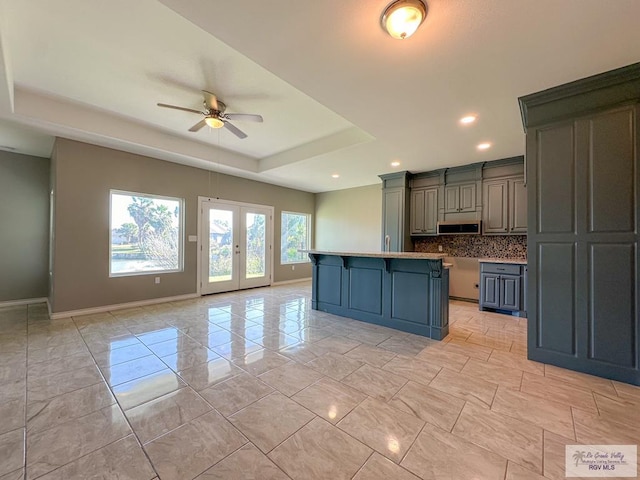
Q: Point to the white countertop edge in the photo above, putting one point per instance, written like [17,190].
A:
[515,261]
[414,255]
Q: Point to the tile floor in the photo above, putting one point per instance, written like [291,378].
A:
[256,385]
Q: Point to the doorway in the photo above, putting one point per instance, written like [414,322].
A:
[235,245]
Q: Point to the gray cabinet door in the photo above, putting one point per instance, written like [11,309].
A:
[468,198]
[517,206]
[489,290]
[496,207]
[418,216]
[452,199]
[510,292]
[393,217]
[431,211]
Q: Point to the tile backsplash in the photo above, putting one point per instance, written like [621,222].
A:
[478,246]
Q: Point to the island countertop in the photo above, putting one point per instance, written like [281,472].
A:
[411,255]
[515,261]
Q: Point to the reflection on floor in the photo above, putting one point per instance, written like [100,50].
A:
[256,385]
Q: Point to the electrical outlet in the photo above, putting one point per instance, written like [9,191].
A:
[293,267]
[157,280]
[439,248]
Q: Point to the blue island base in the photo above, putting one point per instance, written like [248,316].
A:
[407,294]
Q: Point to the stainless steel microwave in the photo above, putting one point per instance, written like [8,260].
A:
[460,228]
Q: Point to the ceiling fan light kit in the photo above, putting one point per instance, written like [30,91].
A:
[215,116]
[402,18]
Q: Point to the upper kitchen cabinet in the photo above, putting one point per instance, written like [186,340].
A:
[395,213]
[461,197]
[583,176]
[504,198]
[425,193]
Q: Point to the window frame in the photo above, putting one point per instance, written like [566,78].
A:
[181,233]
[308,239]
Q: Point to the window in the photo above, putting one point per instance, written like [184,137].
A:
[146,234]
[296,232]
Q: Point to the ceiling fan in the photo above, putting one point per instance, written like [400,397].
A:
[215,116]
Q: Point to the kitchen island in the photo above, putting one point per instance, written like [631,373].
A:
[406,291]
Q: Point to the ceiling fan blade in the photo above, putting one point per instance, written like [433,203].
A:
[244,117]
[198,126]
[184,109]
[210,100]
[235,130]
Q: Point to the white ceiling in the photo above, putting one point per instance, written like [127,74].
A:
[337,94]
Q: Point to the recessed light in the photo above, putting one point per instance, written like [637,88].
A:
[335,175]
[395,164]
[483,146]
[468,119]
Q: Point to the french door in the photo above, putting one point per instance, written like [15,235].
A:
[235,245]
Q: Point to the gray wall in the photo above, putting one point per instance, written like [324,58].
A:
[83,176]
[349,220]
[24,226]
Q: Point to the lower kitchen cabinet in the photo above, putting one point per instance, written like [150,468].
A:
[502,287]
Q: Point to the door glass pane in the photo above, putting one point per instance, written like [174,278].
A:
[256,241]
[220,245]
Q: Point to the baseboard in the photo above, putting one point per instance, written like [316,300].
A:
[287,282]
[463,299]
[25,301]
[121,306]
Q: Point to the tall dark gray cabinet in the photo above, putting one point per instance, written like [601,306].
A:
[583,182]
[395,212]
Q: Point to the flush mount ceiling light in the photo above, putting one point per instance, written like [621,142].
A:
[335,175]
[483,146]
[468,119]
[214,122]
[403,17]
[395,164]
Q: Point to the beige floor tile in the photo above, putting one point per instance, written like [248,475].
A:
[12,415]
[554,455]
[174,345]
[15,475]
[303,352]
[382,427]
[375,382]
[504,376]
[552,416]
[11,451]
[516,440]
[12,372]
[581,380]
[60,365]
[619,409]
[100,342]
[290,378]
[12,391]
[408,344]
[495,343]
[329,399]
[237,350]
[53,353]
[127,371]
[472,350]
[439,356]
[439,455]
[53,339]
[468,388]
[207,374]
[247,463]
[261,361]
[512,360]
[592,429]
[558,391]
[123,460]
[374,356]
[519,349]
[189,358]
[236,393]
[270,420]
[381,468]
[320,450]
[45,414]
[194,447]
[145,389]
[44,388]
[371,337]
[334,365]
[628,391]
[110,358]
[429,404]
[64,443]
[338,344]
[159,416]
[516,472]
[413,368]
